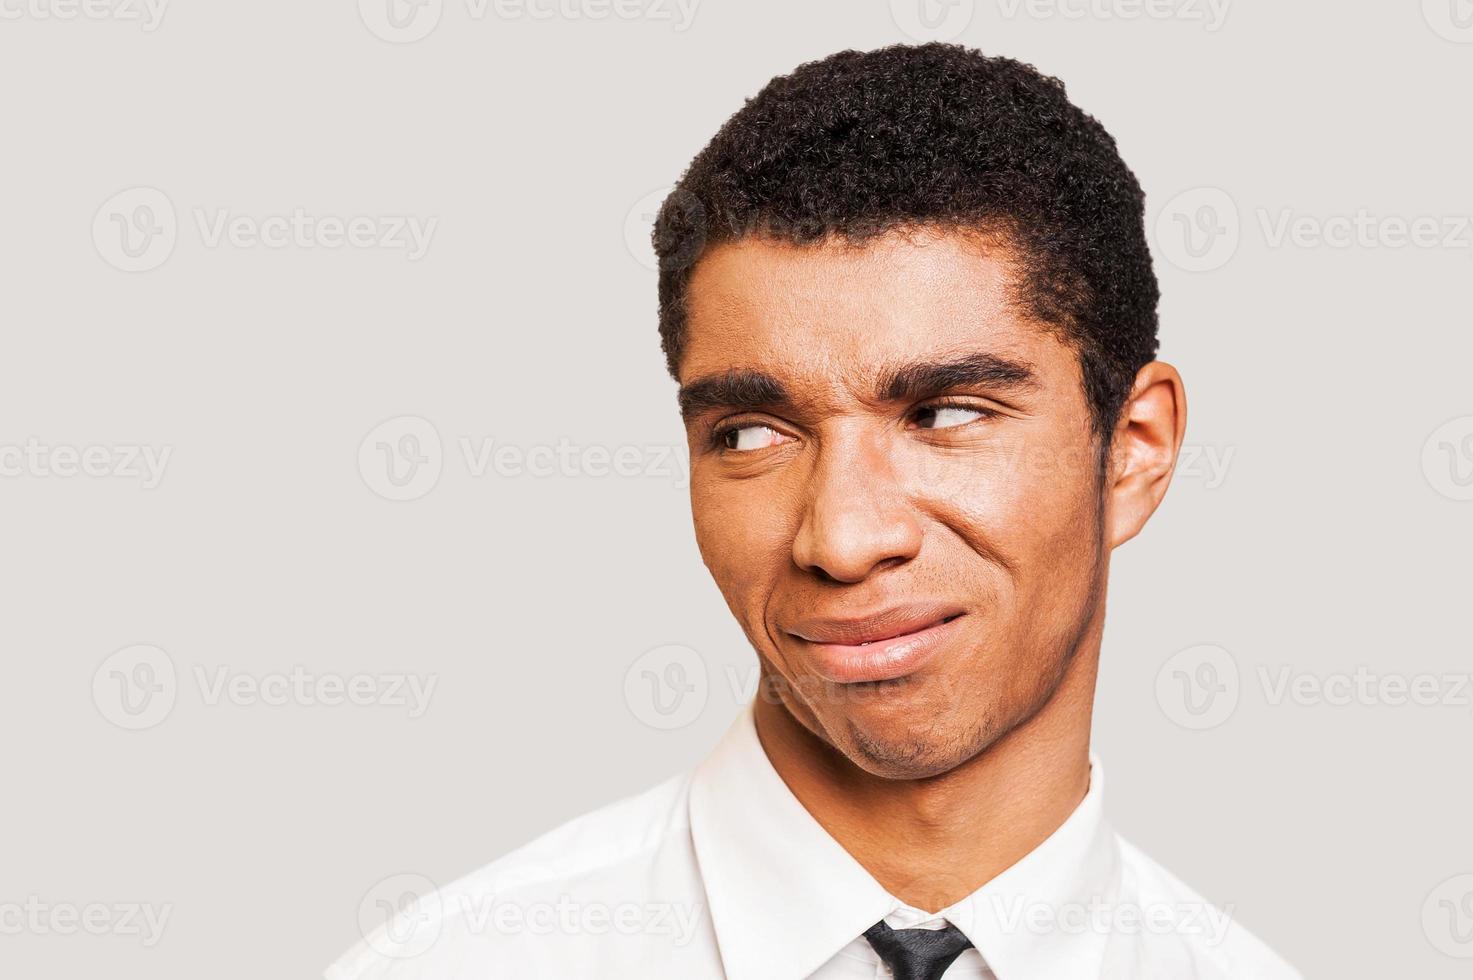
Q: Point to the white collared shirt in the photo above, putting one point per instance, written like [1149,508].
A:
[722,873]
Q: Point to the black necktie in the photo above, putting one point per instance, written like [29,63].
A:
[917,954]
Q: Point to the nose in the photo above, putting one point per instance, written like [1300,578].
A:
[856,518]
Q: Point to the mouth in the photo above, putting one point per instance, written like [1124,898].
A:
[882,647]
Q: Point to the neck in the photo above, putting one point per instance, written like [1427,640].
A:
[931,842]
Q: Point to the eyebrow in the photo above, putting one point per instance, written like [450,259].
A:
[746,391]
[912,381]
[743,391]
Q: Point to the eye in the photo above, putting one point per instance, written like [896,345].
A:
[949,416]
[746,438]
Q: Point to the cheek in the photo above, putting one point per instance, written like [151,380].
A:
[745,537]
[1028,510]
[1014,490]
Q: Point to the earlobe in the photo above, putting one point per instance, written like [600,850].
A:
[1143,454]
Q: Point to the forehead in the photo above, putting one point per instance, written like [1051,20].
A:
[841,312]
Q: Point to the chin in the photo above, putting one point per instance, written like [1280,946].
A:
[912,746]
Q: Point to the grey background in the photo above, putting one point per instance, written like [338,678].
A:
[1336,537]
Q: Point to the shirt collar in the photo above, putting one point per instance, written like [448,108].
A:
[784,896]
[1035,918]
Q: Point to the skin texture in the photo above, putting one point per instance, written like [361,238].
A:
[838,500]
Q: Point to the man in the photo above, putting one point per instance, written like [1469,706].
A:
[908,300]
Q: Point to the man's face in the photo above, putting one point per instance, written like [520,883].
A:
[894,486]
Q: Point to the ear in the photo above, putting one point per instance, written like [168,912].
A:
[1143,454]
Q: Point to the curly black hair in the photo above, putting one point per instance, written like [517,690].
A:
[863,142]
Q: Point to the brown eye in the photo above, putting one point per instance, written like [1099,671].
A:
[947,416]
[745,438]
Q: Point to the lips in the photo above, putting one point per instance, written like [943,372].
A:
[883,646]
